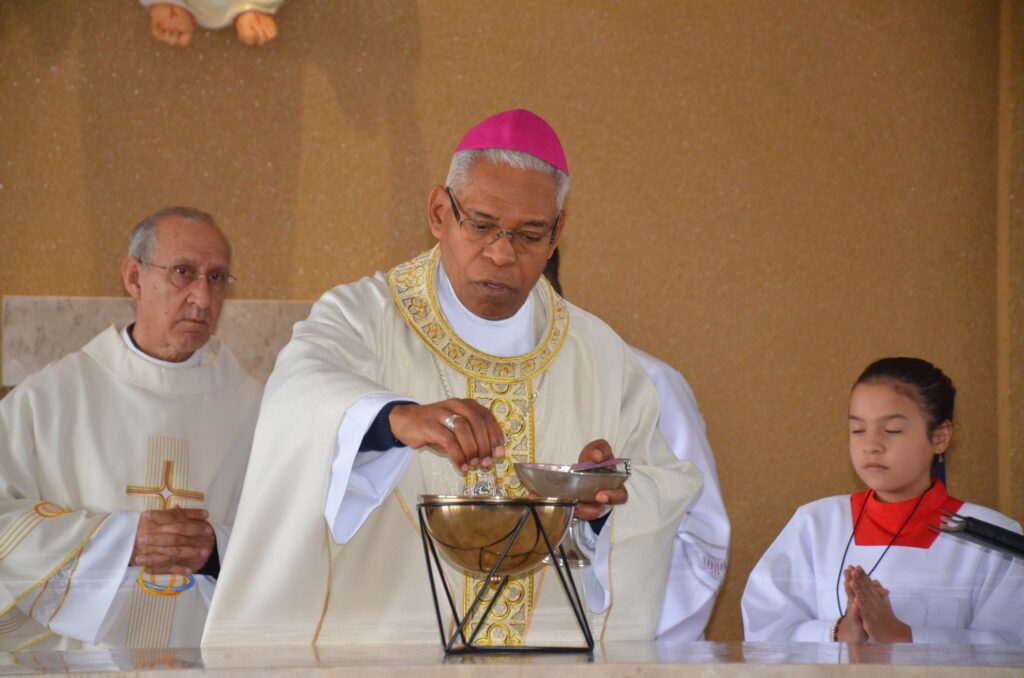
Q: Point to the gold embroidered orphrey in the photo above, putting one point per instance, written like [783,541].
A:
[152,612]
[13,618]
[506,386]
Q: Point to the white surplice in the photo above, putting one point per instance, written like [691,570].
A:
[701,548]
[86,444]
[951,592]
[386,337]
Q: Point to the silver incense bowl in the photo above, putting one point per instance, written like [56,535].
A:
[573,481]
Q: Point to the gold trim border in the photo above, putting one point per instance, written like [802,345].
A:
[330,579]
[54,571]
[521,367]
[33,642]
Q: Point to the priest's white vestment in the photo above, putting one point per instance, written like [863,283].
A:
[86,444]
[386,336]
[701,547]
[953,591]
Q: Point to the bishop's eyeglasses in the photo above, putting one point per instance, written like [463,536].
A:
[524,240]
[183,275]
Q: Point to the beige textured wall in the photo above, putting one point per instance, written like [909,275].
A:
[768,195]
[1011,252]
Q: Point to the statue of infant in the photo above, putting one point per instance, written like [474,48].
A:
[173,21]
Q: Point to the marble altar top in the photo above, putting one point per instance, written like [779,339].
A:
[639,660]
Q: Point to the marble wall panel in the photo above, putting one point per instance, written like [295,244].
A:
[39,330]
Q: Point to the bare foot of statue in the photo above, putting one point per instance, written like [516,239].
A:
[171,24]
[255,28]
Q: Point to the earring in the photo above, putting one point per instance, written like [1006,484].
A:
[942,458]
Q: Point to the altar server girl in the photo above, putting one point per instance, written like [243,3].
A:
[868,566]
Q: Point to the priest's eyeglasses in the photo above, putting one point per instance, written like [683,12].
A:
[524,240]
[184,275]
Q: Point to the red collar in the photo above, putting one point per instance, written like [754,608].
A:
[881,520]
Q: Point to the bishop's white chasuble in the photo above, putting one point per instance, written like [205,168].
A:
[387,335]
[85,445]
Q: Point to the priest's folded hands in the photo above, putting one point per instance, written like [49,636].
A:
[173,541]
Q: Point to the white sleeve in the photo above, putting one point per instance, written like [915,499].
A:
[361,481]
[701,547]
[997,591]
[91,583]
[779,603]
[596,578]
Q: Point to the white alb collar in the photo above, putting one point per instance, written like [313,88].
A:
[505,338]
[193,360]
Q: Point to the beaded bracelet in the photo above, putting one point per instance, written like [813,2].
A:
[832,628]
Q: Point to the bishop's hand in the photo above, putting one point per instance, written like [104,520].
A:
[599,450]
[461,428]
[175,541]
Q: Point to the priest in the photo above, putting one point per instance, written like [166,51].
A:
[434,378]
[121,464]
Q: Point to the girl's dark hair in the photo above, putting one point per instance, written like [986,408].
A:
[926,383]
